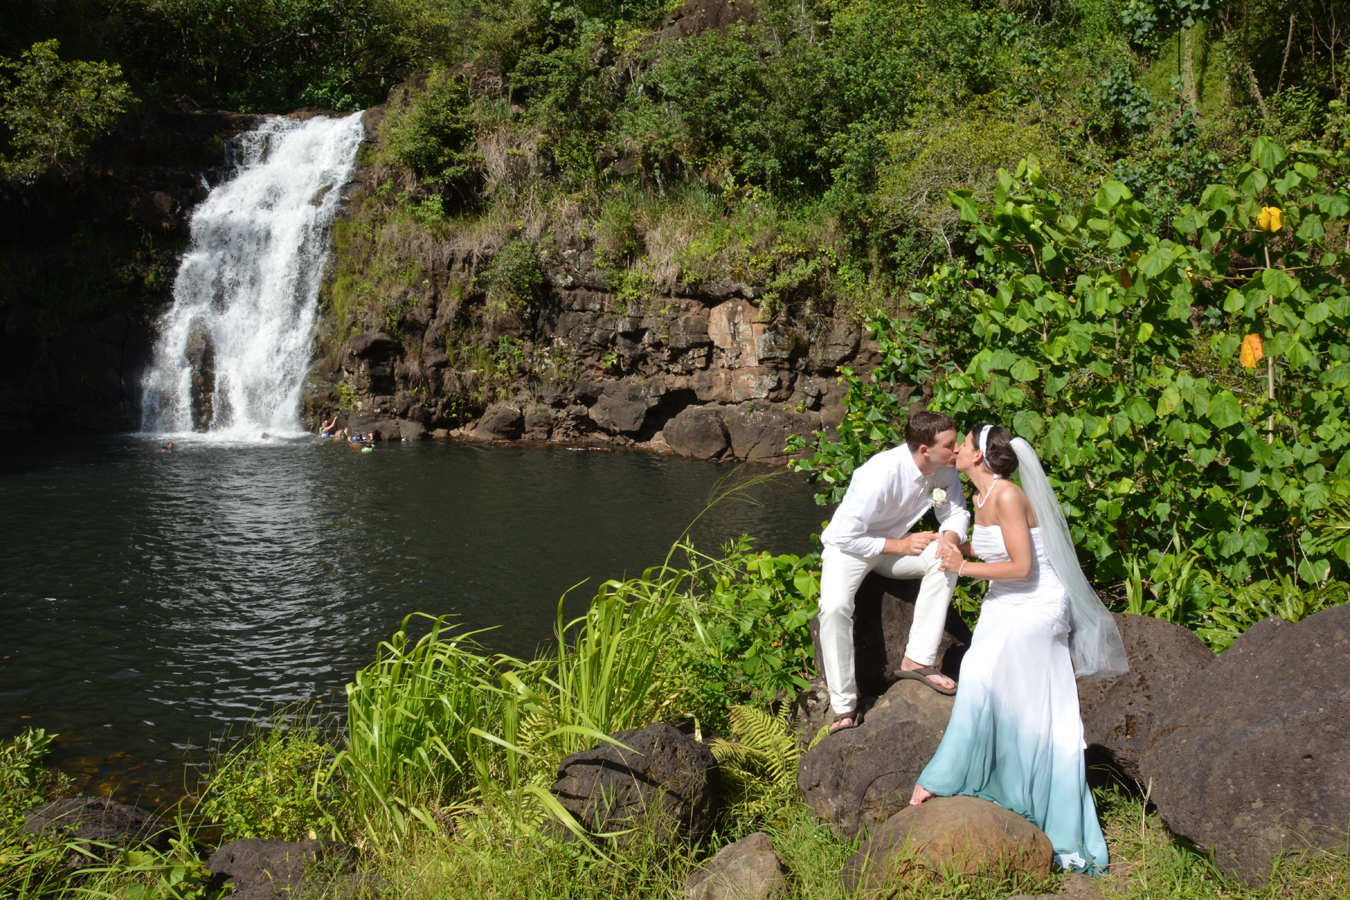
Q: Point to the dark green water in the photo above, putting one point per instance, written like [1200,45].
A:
[153,602]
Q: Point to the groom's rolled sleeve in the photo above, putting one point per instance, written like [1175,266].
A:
[851,536]
[952,513]
[850,527]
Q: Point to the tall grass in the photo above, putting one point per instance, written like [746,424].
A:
[438,728]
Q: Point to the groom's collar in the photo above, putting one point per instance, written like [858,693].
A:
[910,468]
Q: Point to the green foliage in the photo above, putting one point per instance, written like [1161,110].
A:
[964,149]
[52,110]
[747,635]
[758,766]
[28,866]
[1115,350]
[1132,106]
[431,131]
[24,781]
[514,277]
[274,784]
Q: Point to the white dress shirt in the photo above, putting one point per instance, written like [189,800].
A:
[886,496]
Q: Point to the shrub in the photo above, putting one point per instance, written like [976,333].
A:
[53,110]
[274,784]
[432,133]
[1085,335]
[513,278]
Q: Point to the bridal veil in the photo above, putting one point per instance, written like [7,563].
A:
[1094,641]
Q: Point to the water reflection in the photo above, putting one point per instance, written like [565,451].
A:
[155,600]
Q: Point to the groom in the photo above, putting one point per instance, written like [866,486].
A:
[870,532]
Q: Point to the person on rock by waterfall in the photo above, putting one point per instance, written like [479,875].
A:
[870,532]
[1015,737]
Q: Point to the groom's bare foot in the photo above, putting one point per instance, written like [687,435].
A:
[919,795]
[942,681]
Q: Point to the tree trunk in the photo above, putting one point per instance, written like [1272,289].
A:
[1188,87]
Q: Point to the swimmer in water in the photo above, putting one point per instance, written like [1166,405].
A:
[166,448]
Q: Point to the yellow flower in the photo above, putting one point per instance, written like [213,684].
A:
[1271,219]
[1251,353]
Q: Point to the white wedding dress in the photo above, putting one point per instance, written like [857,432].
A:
[1016,736]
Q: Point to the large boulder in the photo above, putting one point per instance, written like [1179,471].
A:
[1121,715]
[374,345]
[698,431]
[262,870]
[622,406]
[746,870]
[1253,757]
[960,835]
[98,819]
[859,777]
[500,423]
[883,611]
[760,434]
[811,712]
[665,779]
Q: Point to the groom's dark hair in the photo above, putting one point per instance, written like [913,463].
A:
[924,427]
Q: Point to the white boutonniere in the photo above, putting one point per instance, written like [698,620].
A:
[939,496]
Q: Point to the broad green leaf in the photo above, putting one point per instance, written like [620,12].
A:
[1170,400]
[1335,206]
[1024,370]
[1110,194]
[1028,424]
[1278,283]
[1310,229]
[1140,410]
[1267,154]
[1225,410]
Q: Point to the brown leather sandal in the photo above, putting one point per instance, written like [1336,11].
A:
[855,717]
[922,673]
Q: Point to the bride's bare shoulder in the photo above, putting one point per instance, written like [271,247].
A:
[1013,505]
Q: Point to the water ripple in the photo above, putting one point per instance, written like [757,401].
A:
[198,589]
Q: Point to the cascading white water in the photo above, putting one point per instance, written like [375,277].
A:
[236,345]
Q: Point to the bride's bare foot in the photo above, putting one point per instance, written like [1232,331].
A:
[919,795]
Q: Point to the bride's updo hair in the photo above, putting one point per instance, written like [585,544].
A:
[998,451]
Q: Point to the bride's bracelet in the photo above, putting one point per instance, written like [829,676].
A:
[960,567]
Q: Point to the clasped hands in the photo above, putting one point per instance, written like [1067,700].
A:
[949,557]
[949,554]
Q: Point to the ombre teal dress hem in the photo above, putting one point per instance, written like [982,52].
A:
[1016,736]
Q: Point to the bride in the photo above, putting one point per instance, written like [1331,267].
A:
[1015,736]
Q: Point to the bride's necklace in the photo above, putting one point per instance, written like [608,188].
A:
[979,504]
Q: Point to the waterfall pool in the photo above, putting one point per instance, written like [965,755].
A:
[156,602]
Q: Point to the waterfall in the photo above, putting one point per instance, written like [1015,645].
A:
[235,347]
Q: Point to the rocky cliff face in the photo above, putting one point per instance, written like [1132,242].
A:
[90,255]
[698,372]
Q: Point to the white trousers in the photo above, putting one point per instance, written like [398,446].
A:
[841,573]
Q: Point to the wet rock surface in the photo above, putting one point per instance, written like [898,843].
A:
[258,869]
[1253,757]
[98,819]
[81,371]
